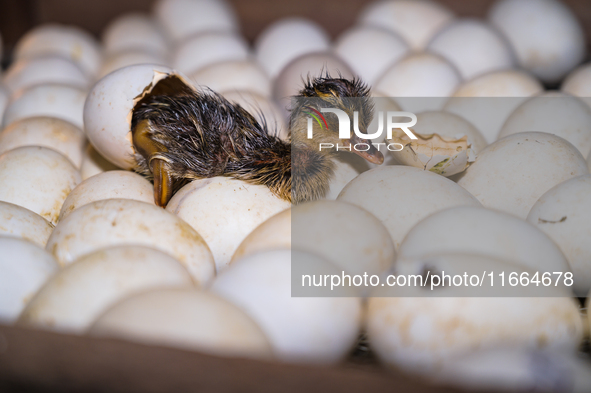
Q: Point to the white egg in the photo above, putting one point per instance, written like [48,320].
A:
[370,50]
[187,319]
[545,35]
[578,83]
[347,167]
[128,58]
[28,72]
[108,109]
[51,132]
[263,109]
[317,330]
[419,82]
[68,41]
[134,31]
[183,18]
[488,100]
[420,334]
[474,47]
[93,163]
[479,231]
[244,75]
[24,268]
[224,211]
[75,297]
[287,39]
[349,237]
[23,223]
[401,196]
[563,214]
[205,49]
[108,185]
[55,100]
[113,222]
[37,178]
[415,20]
[556,113]
[274,233]
[511,174]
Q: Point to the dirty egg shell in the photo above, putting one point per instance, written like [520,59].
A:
[133,31]
[24,268]
[224,211]
[128,58]
[51,99]
[107,111]
[185,318]
[416,21]
[417,194]
[243,75]
[563,214]
[108,185]
[317,330]
[19,222]
[51,132]
[420,334]
[556,113]
[487,100]
[72,300]
[326,228]
[475,230]
[511,174]
[113,222]
[274,233]
[93,163]
[286,39]
[37,178]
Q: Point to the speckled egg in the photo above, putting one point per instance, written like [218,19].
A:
[19,222]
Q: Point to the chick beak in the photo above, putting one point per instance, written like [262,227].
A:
[372,154]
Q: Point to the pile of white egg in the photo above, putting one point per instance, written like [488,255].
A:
[86,251]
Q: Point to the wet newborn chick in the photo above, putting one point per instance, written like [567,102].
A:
[181,134]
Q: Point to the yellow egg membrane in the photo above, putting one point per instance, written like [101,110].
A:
[434,153]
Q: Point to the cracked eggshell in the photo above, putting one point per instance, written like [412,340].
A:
[556,113]
[24,268]
[232,75]
[274,233]
[93,163]
[487,100]
[400,196]
[108,109]
[550,44]
[187,319]
[73,299]
[325,228]
[51,132]
[563,214]
[416,21]
[50,99]
[420,332]
[224,211]
[513,173]
[474,47]
[475,230]
[133,31]
[108,185]
[19,222]
[37,178]
[317,330]
[113,222]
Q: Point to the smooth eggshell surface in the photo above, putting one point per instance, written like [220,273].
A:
[563,214]
[19,222]
[112,222]
[578,83]
[512,173]
[184,318]
[79,293]
[24,268]
[224,211]
[133,31]
[244,75]
[347,167]
[400,196]
[128,58]
[108,185]
[318,330]
[38,179]
[93,163]
[51,132]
